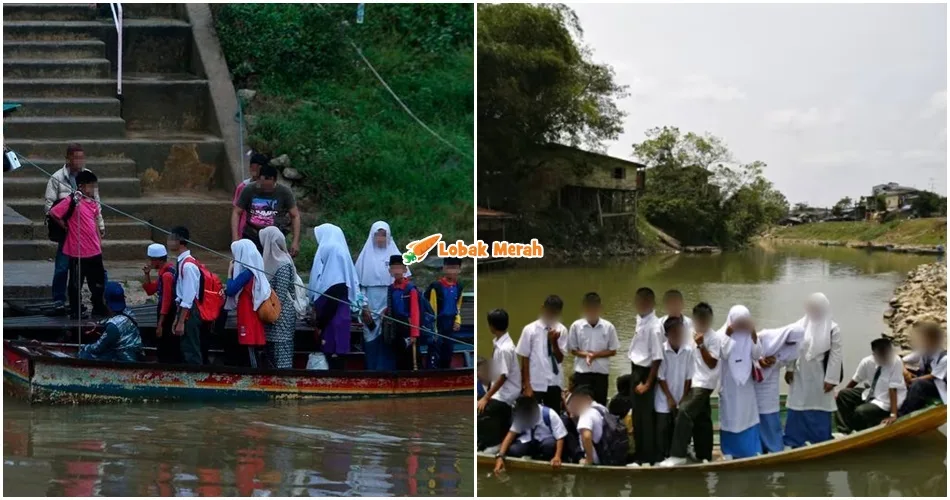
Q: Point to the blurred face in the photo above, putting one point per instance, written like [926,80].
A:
[451,272]
[266,184]
[882,356]
[592,312]
[643,305]
[76,161]
[702,324]
[255,170]
[742,325]
[88,189]
[673,306]
[578,403]
[675,337]
[528,418]
[550,316]
[380,238]
[172,243]
[157,263]
[397,271]
[931,341]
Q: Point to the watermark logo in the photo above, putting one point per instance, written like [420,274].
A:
[418,250]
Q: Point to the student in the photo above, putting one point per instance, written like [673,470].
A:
[536,432]
[445,296]
[673,306]
[402,305]
[645,354]
[281,272]
[494,408]
[738,412]
[929,382]
[592,340]
[482,377]
[266,203]
[883,372]
[121,340]
[621,404]
[675,378]
[254,168]
[694,418]
[333,290]
[247,288]
[813,376]
[779,348]
[189,327]
[83,243]
[541,349]
[373,269]
[590,423]
[167,344]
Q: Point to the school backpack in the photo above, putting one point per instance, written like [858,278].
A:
[613,446]
[210,299]
[55,232]
[426,315]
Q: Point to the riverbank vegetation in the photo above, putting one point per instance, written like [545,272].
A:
[360,156]
[924,232]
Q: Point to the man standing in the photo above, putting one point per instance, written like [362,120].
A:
[60,185]
[267,203]
[254,168]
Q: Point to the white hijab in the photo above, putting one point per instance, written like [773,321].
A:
[783,343]
[741,371]
[247,257]
[372,265]
[817,339]
[332,263]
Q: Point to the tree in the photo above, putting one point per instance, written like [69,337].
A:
[801,207]
[928,204]
[843,205]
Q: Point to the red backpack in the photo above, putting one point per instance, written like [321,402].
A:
[210,299]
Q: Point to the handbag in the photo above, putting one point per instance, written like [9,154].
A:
[317,361]
[269,311]
[301,302]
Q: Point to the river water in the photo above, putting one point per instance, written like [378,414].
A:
[419,446]
[772,282]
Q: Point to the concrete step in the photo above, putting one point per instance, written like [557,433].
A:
[56,68]
[68,106]
[58,87]
[49,11]
[64,127]
[55,30]
[44,249]
[35,187]
[103,167]
[68,49]
[35,230]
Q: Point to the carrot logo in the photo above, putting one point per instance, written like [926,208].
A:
[419,249]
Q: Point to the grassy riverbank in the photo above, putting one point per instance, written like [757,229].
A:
[914,232]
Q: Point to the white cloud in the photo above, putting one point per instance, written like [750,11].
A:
[936,105]
[801,119]
[704,88]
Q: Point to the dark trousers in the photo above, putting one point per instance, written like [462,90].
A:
[854,414]
[168,346]
[550,398]
[665,423]
[538,450]
[493,424]
[643,426]
[90,270]
[194,342]
[597,382]
[919,394]
[60,274]
[694,421]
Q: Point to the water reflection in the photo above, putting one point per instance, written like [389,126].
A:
[379,448]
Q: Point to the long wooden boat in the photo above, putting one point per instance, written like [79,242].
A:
[921,421]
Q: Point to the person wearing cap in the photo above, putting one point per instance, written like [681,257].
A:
[169,348]
[121,339]
[402,306]
[445,296]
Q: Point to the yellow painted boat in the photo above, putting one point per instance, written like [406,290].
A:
[921,421]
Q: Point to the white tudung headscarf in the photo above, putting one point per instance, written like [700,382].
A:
[817,339]
[332,263]
[372,265]
[247,257]
[783,343]
[741,371]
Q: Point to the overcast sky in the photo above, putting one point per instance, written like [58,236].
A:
[834,98]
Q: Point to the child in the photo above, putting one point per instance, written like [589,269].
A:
[694,418]
[247,288]
[536,432]
[738,412]
[645,354]
[78,216]
[621,404]
[676,373]
[494,408]
[403,305]
[590,423]
[121,339]
[445,295]
[541,349]
[592,340]
[779,347]
[929,383]
[483,378]
[168,349]
[673,305]
[860,409]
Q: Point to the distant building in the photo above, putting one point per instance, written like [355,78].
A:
[896,197]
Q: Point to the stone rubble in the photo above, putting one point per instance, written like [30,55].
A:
[921,297]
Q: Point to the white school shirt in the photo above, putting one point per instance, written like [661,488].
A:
[892,377]
[738,409]
[940,378]
[584,337]
[807,390]
[505,362]
[687,327]
[676,369]
[591,419]
[541,430]
[533,345]
[646,346]
[703,376]
[186,286]
[916,358]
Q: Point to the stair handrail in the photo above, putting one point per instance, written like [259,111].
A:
[117,19]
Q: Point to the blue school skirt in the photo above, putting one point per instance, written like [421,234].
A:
[770,428]
[747,443]
[812,426]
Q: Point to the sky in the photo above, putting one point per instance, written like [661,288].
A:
[834,98]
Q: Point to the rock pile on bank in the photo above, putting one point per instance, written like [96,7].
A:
[921,297]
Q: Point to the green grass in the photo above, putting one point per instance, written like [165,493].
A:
[932,231]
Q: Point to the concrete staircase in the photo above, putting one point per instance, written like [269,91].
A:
[157,151]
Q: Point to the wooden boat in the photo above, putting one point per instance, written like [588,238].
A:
[921,421]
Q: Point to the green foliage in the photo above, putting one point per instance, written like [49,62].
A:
[928,204]
[363,158]
[842,205]
[932,231]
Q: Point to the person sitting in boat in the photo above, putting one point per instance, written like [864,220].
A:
[536,432]
[120,339]
[739,435]
[779,348]
[621,404]
[813,376]
[541,348]
[674,381]
[590,423]
[929,382]
[168,344]
[858,408]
